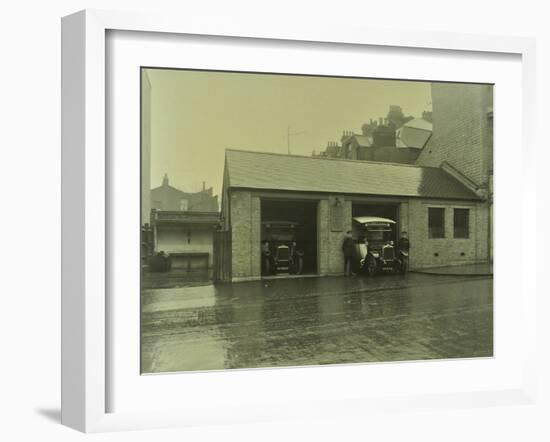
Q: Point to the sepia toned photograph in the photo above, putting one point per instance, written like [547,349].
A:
[301,220]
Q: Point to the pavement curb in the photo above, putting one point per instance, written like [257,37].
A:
[427,272]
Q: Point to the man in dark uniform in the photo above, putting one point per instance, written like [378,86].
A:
[404,243]
[348,247]
[298,258]
[266,258]
[403,247]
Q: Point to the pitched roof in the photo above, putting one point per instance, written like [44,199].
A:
[419,123]
[412,137]
[260,170]
[414,133]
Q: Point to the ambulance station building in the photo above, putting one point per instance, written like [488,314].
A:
[444,213]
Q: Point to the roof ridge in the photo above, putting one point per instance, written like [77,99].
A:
[416,166]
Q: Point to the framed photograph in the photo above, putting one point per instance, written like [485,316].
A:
[265,222]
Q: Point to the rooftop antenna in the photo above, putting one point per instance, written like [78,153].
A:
[289,134]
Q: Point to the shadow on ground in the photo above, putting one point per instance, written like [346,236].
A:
[51,414]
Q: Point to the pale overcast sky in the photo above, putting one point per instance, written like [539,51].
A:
[197,115]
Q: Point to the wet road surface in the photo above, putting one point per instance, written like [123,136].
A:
[314,321]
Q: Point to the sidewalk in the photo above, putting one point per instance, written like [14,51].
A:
[484,269]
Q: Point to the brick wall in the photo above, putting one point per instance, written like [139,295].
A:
[245,214]
[414,219]
[335,240]
[245,235]
[256,233]
[413,216]
[323,235]
[331,258]
[460,130]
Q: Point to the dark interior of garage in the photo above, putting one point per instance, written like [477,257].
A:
[302,217]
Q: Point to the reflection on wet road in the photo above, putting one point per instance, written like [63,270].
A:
[315,321]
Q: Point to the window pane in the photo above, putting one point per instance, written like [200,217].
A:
[436,222]
[462,223]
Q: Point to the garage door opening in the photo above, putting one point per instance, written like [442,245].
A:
[289,237]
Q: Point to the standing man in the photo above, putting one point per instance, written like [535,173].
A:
[348,247]
[298,254]
[404,243]
[266,258]
[403,246]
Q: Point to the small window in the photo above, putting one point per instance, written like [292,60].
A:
[461,223]
[436,222]
[184,204]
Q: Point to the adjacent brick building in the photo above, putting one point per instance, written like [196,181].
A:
[462,130]
[462,119]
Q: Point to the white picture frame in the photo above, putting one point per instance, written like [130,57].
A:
[85,201]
